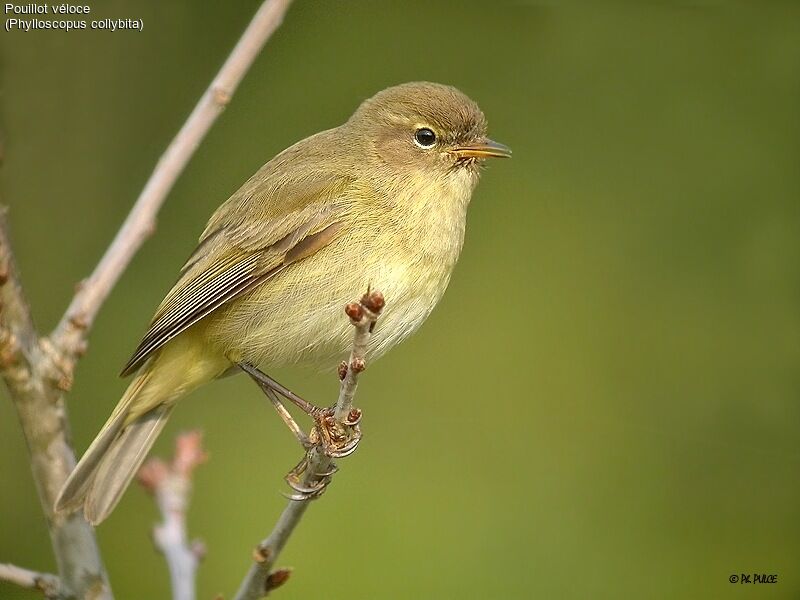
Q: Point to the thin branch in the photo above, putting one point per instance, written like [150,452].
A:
[70,334]
[363,315]
[27,367]
[46,583]
[171,485]
[37,371]
[260,579]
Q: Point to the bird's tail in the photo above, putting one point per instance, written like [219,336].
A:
[108,466]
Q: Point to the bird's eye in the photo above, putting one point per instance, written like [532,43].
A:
[424,138]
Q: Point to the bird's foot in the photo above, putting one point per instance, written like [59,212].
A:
[308,486]
[337,439]
[332,438]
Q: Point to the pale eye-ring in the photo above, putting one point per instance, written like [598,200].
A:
[424,138]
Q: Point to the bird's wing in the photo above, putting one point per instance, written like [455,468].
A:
[259,231]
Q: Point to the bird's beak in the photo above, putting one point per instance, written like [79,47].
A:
[485,149]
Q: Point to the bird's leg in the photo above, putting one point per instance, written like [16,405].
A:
[337,439]
[287,418]
[266,382]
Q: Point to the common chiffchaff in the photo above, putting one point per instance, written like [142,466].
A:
[379,201]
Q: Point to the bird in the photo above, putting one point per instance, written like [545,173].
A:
[378,202]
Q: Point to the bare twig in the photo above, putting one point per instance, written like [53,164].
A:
[363,315]
[33,381]
[38,370]
[260,579]
[171,486]
[140,223]
[47,583]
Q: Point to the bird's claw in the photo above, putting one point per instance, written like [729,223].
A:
[334,439]
[332,470]
[346,449]
[338,439]
[307,488]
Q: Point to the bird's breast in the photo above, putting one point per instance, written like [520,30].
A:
[407,252]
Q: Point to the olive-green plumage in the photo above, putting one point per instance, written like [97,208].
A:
[379,201]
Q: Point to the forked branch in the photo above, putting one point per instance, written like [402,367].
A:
[38,370]
[28,367]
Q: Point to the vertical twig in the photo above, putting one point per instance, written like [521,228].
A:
[36,387]
[171,485]
[363,315]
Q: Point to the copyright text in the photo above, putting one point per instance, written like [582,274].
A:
[753,578]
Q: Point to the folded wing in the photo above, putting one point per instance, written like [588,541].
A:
[258,232]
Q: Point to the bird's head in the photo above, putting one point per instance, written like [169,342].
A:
[425,128]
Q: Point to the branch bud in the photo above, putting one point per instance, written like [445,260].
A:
[354,311]
[277,578]
[261,554]
[353,417]
[342,370]
[373,301]
[189,453]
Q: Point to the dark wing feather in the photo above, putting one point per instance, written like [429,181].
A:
[216,292]
[235,254]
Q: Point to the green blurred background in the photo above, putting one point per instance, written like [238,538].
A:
[605,404]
